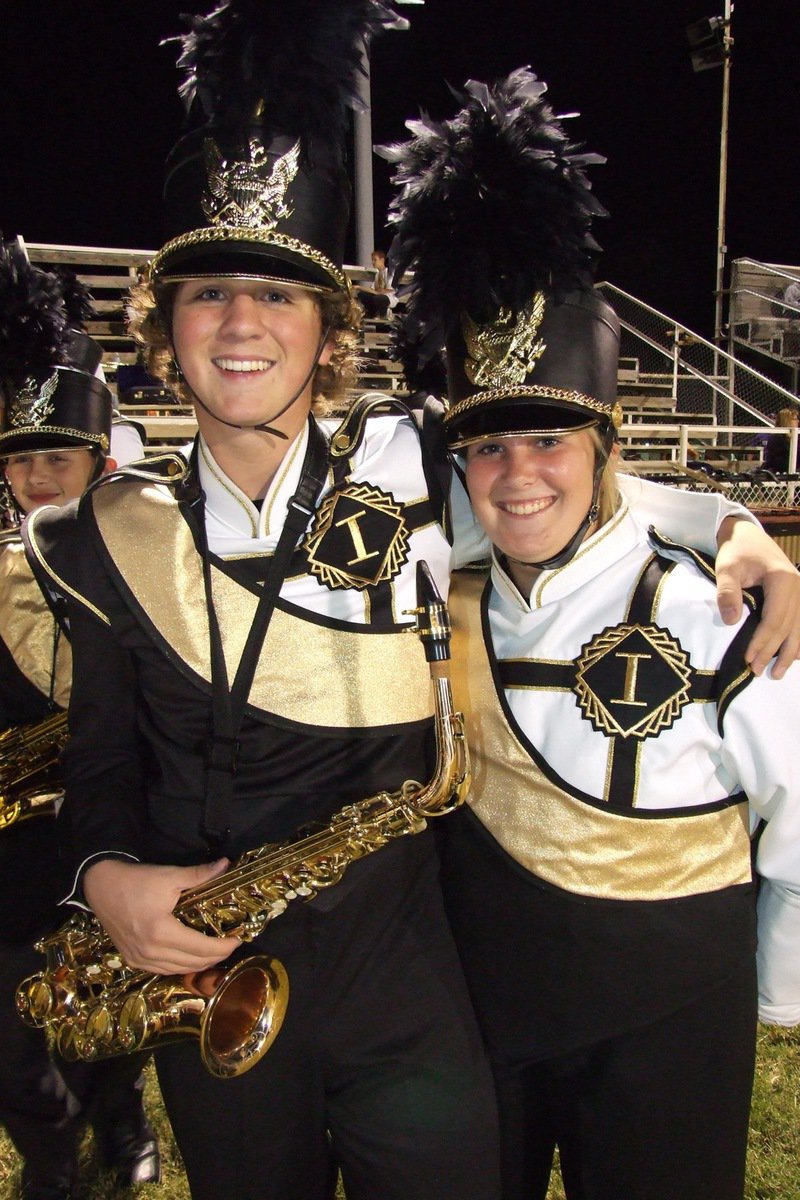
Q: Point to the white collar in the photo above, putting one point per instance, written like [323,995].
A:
[233,523]
[615,539]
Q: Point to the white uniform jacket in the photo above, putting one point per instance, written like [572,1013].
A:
[613,762]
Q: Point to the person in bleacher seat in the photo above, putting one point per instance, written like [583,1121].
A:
[376,298]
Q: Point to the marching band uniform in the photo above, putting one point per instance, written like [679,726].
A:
[378,1065]
[379,1040]
[600,887]
[600,883]
[44,1104]
[39,1112]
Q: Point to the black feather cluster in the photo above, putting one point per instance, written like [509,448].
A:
[34,327]
[493,206]
[77,298]
[298,57]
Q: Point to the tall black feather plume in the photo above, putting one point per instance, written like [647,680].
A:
[300,57]
[34,330]
[77,298]
[493,206]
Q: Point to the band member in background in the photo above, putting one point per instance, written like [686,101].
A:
[54,442]
[599,882]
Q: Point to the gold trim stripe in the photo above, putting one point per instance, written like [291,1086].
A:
[97,439]
[523,391]
[233,233]
[60,584]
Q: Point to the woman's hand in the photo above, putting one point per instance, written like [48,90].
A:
[749,557]
[134,903]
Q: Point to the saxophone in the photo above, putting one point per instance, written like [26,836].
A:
[96,1006]
[29,769]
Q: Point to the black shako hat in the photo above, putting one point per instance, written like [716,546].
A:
[493,217]
[49,401]
[552,368]
[257,187]
[57,408]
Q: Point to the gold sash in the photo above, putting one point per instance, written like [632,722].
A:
[28,627]
[337,678]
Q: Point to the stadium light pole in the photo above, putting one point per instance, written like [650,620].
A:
[722,248]
[362,140]
[711,42]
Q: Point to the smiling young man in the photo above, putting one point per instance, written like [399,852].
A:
[221,737]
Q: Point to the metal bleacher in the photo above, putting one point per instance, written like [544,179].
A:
[763,324]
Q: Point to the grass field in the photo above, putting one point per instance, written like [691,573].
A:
[773,1162]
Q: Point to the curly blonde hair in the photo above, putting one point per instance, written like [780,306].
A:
[148,322]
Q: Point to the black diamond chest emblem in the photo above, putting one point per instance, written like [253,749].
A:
[632,681]
[359,538]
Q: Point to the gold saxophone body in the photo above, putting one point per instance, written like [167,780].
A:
[96,1006]
[30,777]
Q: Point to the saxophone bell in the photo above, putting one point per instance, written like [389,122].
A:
[235,1014]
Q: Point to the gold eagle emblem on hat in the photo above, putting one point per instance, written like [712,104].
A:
[32,404]
[248,193]
[504,352]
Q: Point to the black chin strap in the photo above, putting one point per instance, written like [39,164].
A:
[263,427]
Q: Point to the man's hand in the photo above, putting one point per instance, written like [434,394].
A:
[134,903]
[748,557]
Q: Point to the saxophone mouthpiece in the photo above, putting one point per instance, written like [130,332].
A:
[433,619]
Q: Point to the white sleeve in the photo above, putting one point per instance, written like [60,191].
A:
[779,954]
[760,749]
[470,543]
[689,518]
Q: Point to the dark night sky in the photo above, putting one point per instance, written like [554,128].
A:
[89,110]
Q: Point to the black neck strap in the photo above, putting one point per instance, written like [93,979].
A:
[228,703]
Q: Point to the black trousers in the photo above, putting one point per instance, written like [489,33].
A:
[44,1102]
[378,1069]
[659,1113]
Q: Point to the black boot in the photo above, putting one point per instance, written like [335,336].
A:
[129,1147]
[49,1185]
[126,1143]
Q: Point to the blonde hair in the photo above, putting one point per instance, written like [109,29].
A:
[149,325]
[608,495]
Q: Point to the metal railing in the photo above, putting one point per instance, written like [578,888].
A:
[705,379]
